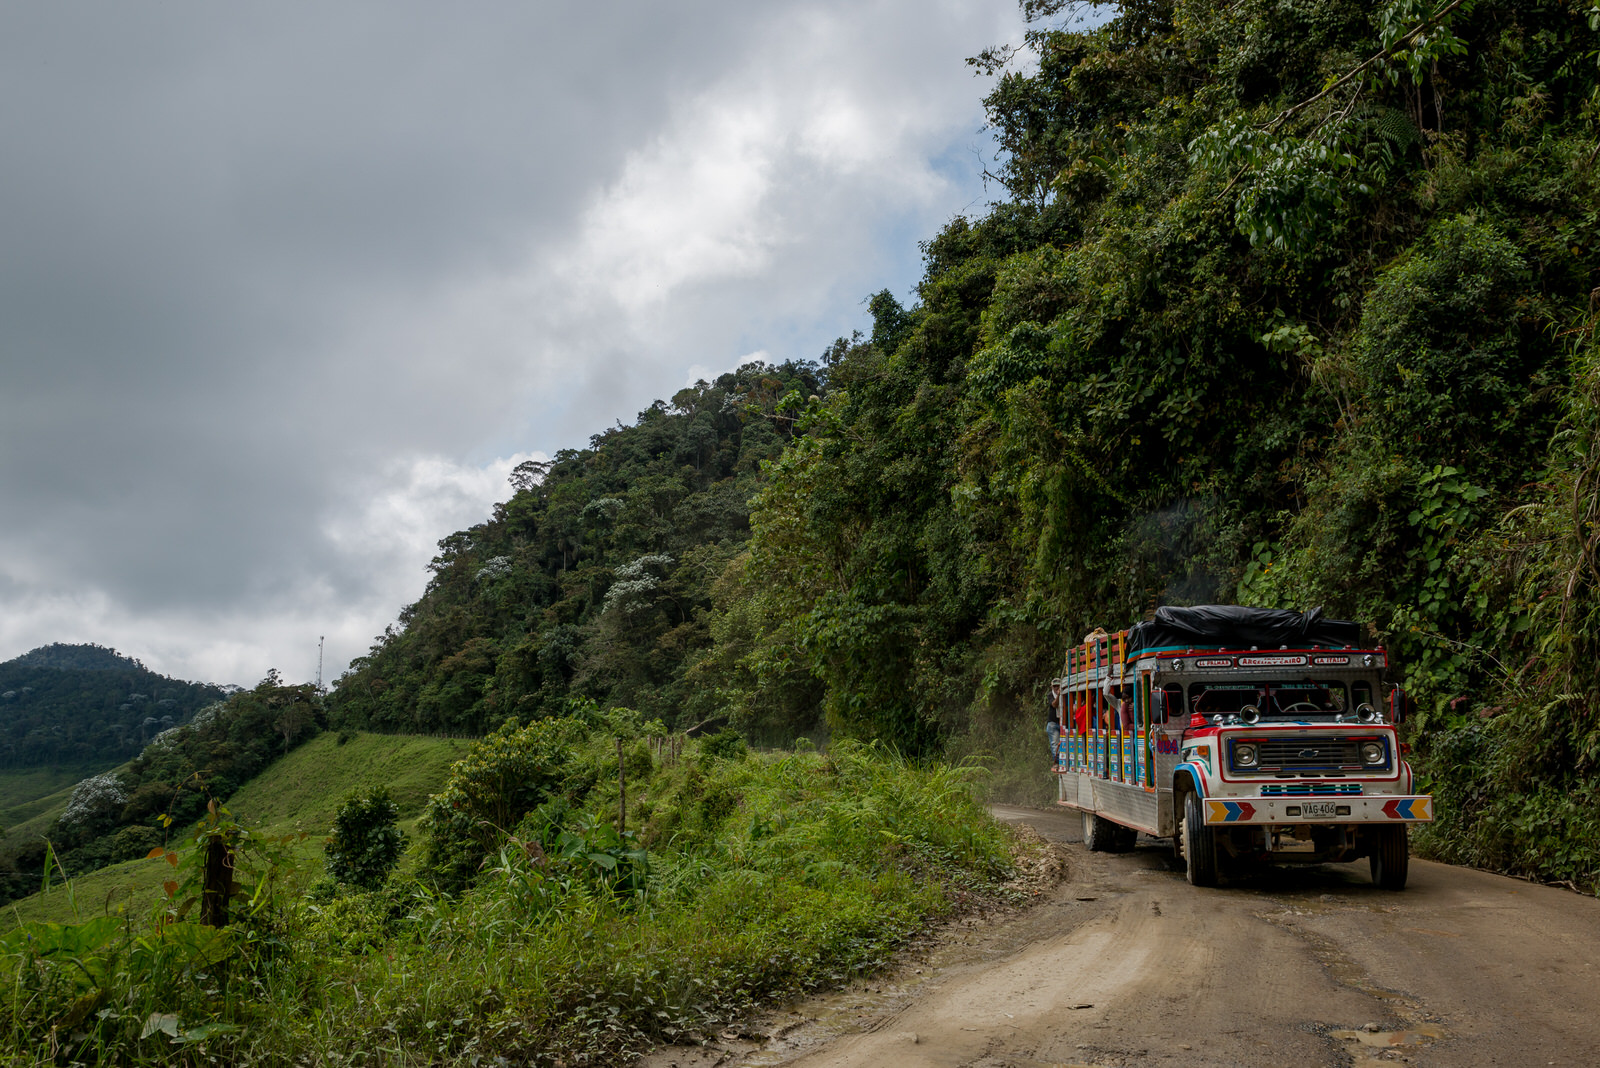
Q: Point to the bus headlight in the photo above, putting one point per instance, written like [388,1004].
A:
[1373,752]
[1244,755]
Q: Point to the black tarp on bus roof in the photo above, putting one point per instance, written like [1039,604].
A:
[1235,625]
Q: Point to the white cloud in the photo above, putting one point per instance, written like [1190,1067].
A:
[741,168]
[699,372]
[688,209]
[388,534]
[417,502]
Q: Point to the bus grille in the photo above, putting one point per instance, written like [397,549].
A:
[1306,754]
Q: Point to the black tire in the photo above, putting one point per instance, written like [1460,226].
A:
[1124,840]
[1099,833]
[1390,857]
[1199,844]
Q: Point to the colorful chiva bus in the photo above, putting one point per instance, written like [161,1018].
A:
[1244,735]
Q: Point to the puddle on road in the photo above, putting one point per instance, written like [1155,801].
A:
[1419,1035]
[1385,1042]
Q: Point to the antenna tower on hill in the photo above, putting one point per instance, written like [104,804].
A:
[320,639]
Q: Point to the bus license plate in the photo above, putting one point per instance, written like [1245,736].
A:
[1316,809]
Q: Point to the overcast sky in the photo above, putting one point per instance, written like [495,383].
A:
[286,289]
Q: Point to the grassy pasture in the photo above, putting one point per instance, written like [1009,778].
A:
[31,799]
[298,794]
[302,791]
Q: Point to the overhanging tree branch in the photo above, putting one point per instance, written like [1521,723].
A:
[1345,79]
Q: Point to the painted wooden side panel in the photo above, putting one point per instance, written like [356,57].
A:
[1126,803]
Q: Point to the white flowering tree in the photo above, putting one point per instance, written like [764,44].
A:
[95,803]
[636,582]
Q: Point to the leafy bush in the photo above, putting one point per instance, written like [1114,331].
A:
[365,845]
[727,744]
[506,776]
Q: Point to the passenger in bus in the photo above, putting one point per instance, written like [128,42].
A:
[1125,709]
[1080,714]
[1052,719]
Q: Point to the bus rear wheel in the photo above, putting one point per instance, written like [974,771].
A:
[1390,857]
[1100,834]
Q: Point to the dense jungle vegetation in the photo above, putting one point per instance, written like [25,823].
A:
[81,704]
[595,579]
[1284,302]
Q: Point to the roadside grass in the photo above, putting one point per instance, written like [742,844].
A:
[742,878]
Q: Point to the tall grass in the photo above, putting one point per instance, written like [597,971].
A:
[767,875]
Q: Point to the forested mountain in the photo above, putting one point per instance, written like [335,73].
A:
[594,578]
[77,704]
[120,815]
[1288,302]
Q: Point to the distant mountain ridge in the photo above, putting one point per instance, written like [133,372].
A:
[74,704]
[63,657]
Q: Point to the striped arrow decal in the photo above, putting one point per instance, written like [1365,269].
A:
[1407,808]
[1230,811]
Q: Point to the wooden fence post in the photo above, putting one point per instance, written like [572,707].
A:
[217,884]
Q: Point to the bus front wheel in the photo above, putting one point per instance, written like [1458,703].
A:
[1199,844]
[1390,857]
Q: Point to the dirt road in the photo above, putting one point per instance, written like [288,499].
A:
[1127,964]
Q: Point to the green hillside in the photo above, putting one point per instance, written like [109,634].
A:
[594,578]
[86,704]
[298,793]
[112,817]
[29,792]
[302,791]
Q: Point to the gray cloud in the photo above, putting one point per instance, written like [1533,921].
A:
[284,290]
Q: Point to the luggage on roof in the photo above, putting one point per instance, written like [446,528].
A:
[1235,625]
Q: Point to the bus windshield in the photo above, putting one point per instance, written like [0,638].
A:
[1280,700]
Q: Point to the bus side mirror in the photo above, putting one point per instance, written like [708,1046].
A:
[1397,705]
[1158,707]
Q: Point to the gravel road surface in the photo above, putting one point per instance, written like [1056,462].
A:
[1125,963]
